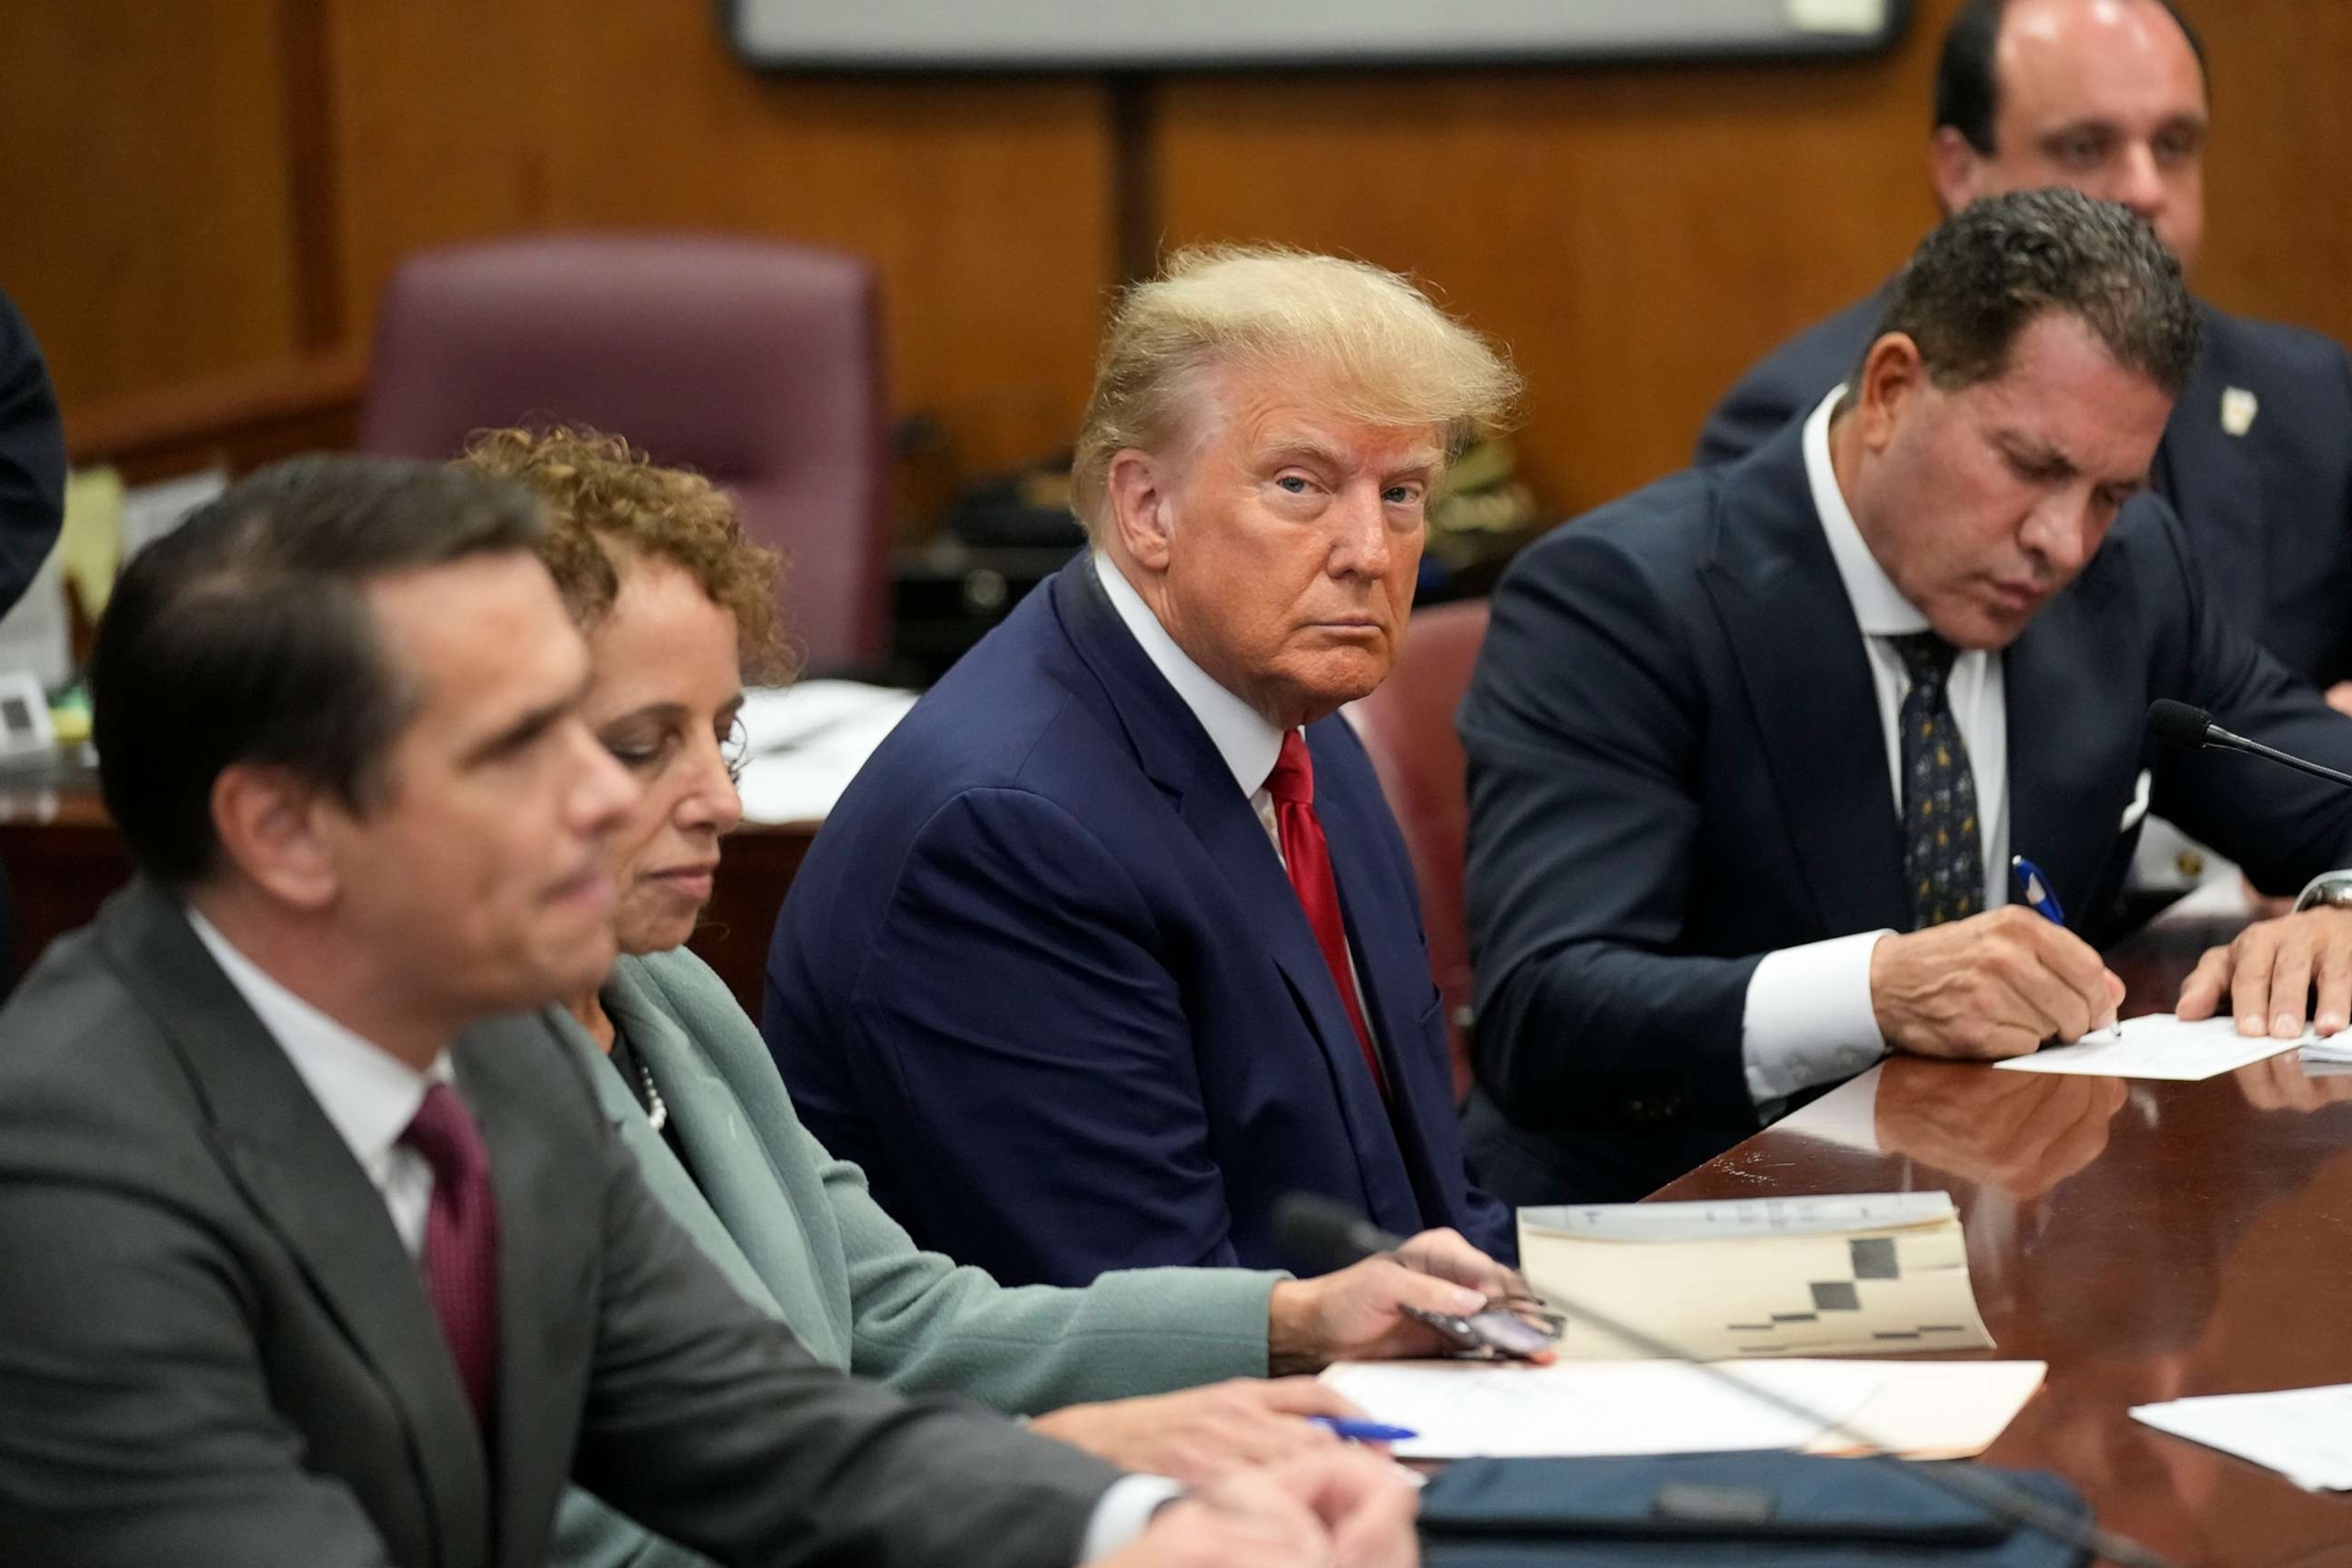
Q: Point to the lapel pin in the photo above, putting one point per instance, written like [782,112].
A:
[2238,409]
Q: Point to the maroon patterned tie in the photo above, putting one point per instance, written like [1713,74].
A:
[1307,855]
[461,1242]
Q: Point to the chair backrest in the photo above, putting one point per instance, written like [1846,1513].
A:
[757,362]
[1407,725]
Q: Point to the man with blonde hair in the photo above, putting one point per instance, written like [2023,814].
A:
[1114,943]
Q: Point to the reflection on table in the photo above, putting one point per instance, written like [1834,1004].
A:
[2149,1240]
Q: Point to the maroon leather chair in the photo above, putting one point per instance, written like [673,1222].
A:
[757,362]
[1407,725]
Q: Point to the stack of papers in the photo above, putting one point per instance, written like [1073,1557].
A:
[1757,1277]
[2158,1046]
[1936,1410]
[2305,1434]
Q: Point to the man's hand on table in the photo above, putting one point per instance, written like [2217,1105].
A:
[2266,975]
[1323,1510]
[1353,1314]
[1995,985]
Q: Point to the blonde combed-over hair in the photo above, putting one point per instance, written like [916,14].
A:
[1370,344]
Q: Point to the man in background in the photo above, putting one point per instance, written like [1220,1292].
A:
[1750,750]
[2109,96]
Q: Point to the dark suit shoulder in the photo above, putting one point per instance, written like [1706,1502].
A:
[2315,364]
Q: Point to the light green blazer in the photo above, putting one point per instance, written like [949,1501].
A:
[797,1232]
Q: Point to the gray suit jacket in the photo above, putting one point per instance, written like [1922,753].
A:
[217,1350]
[798,1233]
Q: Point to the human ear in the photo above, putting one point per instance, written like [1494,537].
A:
[272,828]
[1136,490]
[1955,169]
[1893,375]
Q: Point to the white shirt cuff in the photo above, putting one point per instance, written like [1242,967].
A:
[1122,1512]
[1809,1018]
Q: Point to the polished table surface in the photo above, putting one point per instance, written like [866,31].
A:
[2149,1240]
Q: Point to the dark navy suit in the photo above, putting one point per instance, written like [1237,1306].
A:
[2269,512]
[1677,764]
[1043,976]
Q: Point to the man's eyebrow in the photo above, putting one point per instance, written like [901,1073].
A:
[2035,456]
[524,730]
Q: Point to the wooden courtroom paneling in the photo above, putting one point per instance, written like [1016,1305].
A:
[1639,235]
[144,176]
[984,203]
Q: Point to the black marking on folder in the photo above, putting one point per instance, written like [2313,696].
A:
[1836,1296]
[1796,1317]
[1874,1258]
[1750,1328]
[1892,1334]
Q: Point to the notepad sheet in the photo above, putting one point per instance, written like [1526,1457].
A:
[2158,1046]
[2305,1434]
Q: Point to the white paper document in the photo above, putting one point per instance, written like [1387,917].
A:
[2157,1045]
[1924,1410]
[1577,1409]
[2305,1434]
[1727,1219]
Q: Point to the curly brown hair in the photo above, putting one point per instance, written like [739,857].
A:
[600,491]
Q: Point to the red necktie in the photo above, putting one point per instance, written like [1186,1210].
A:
[461,1242]
[1307,858]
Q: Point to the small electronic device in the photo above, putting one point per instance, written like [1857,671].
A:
[1496,1330]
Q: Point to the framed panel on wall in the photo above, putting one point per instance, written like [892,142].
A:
[1150,35]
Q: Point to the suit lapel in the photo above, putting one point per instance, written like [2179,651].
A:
[1178,756]
[1393,967]
[302,1177]
[1800,652]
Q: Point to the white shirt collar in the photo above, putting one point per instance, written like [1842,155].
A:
[1878,605]
[368,1093]
[1249,745]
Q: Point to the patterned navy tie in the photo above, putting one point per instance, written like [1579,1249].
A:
[1943,842]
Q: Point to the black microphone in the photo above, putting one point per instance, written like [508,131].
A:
[1319,1234]
[2193,729]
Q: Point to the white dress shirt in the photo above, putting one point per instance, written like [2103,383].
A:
[1809,1018]
[369,1094]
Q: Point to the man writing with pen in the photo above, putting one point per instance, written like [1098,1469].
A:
[1752,749]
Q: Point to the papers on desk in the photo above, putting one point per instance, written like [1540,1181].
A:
[1757,1277]
[2158,1046]
[2305,1434]
[807,742]
[1581,1409]
[2331,1054]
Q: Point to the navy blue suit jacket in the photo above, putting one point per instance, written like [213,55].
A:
[1677,766]
[2269,513]
[1042,976]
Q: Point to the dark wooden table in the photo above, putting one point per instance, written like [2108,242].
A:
[2149,1240]
[64,857]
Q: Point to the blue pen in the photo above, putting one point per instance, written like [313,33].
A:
[1362,1431]
[2036,887]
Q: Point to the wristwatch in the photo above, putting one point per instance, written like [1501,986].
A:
[2328,890]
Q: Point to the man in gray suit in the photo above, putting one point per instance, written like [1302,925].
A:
[316,1259]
